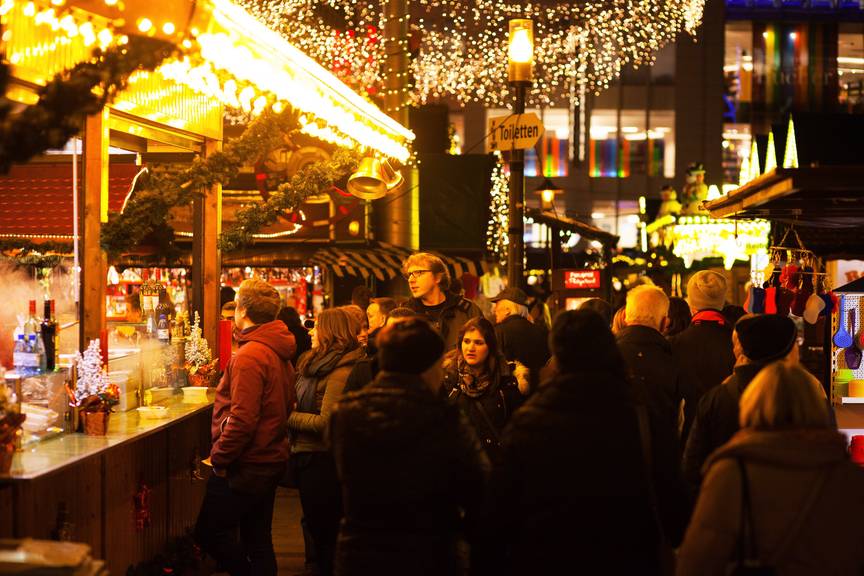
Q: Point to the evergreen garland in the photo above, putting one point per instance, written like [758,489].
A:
[22,252]
[70,97]
[147,213]
[148,210]
[311,180]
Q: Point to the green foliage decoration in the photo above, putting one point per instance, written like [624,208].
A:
[72,95]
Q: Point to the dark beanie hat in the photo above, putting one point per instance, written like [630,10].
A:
[409,347]
[766,337]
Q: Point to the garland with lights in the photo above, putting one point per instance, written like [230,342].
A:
[497,239]
[66,101]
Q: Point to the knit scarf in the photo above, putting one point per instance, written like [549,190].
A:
[471,384]
[709,316]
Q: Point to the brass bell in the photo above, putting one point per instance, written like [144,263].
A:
[392,177]
[368,182]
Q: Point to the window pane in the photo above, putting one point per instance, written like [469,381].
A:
[632,148]
[663,70]
[738,71]
[850,66]
[603,144]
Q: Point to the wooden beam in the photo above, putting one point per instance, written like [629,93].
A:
[93,211]
[206,258]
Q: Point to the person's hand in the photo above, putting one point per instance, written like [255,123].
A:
[220,472]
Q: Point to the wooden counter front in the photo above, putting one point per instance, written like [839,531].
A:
[125,494]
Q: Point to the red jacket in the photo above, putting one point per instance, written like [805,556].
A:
[254,398]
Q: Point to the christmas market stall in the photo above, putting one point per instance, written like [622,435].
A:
[111,121]
[812,193]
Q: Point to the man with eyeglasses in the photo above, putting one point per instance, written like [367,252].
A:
[429,283]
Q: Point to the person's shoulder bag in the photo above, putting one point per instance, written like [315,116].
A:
[748,561]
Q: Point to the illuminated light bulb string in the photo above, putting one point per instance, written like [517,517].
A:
[219,66]
[459,50]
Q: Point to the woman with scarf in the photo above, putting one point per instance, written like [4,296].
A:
[479,381]
[322,374]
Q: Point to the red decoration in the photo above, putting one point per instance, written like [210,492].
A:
[226,329]
[103,347]
[141,501]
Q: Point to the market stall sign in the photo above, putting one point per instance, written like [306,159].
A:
[513,132]
[579,279]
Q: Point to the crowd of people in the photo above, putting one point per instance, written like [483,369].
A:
[668,437]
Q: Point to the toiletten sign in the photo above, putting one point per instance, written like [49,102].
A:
[581,279]
[513,132]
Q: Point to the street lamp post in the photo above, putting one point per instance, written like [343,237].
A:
[520,56]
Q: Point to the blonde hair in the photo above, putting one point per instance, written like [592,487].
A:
[619,322]
[260,300]
[647,306]
[334,330]
[433,263]
[782,396]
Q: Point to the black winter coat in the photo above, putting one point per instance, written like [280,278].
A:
[489,413]
[455,312]
[522,340]
[654,376]
[362,374]
[572,493]
[703,353]
[716,421]
[303,341]
[409,465]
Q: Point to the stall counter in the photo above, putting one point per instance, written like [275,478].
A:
[126,494]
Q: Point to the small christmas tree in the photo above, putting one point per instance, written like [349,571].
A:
[93,390]
[197,350]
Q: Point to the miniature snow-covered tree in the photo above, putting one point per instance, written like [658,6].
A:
[197,350]
[93,391]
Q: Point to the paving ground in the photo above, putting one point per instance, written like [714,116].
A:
[287,536]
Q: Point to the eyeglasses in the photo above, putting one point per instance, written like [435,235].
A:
[414,274]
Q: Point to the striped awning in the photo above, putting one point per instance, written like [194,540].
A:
[384,261]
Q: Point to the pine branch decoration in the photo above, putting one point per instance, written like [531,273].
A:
[72,95]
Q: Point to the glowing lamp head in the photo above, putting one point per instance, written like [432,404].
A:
[520,50]
[145,25]
[547,191]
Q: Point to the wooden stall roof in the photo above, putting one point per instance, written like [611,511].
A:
[36,199]
[585,230]
[827,196]
[825,204]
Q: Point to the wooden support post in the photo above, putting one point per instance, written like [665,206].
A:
[93,210]
[206,258]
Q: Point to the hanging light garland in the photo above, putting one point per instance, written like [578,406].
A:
[459,46]
[499,213]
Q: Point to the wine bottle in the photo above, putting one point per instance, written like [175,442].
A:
[49,336]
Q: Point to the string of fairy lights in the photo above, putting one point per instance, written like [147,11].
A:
[497,239]
[458,47]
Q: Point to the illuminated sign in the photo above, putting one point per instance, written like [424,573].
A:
[581,279]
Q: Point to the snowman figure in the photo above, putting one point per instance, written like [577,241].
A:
[669,204]
[695,190]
